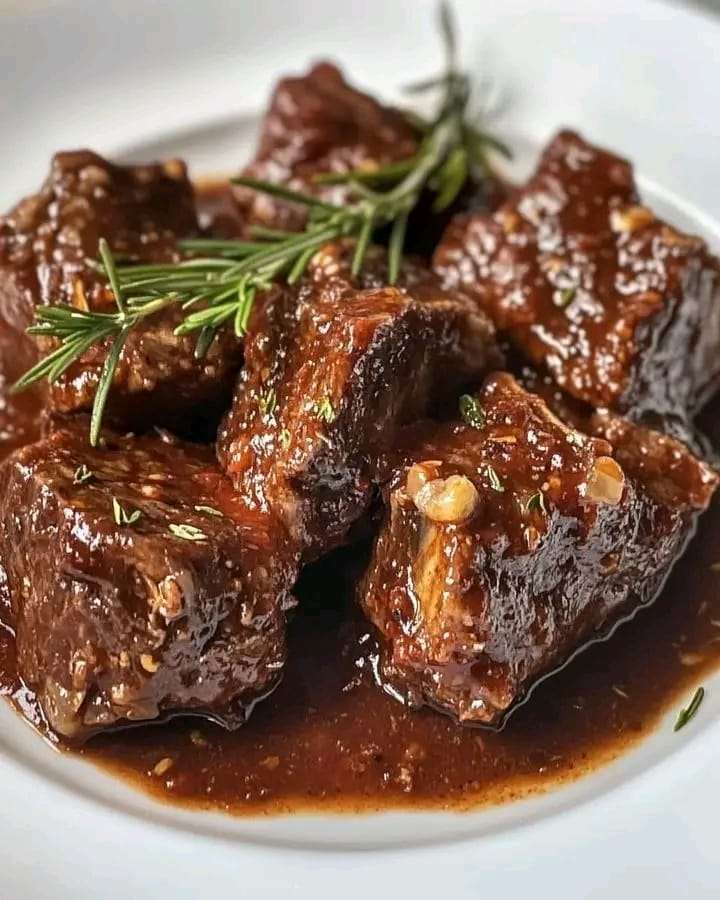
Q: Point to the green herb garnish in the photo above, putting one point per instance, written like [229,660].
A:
[472,412]
[209,510]
[268,402]
[219,280]
[324,410]
[187,532]
[82,475]
[564,297]
[688,713]
[122,517]
[494,479]
[537,502]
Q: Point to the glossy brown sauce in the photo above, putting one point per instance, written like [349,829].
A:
[329,739]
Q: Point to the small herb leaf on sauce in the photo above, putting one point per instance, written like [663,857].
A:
[83,475]
[268,402]
[209,510]
[324,410]
[121,516]
[564,297]
[536,502]
[688,713]
[471,411]
[494,479]
[187,532]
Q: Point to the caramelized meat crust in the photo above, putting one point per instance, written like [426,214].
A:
[510,542]
[138,587]
[48,252]
[332,369]
[621,309]
[318,123]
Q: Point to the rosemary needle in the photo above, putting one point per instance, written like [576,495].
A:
[219,280]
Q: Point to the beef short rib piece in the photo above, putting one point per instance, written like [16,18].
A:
[331,369]
[48,247]
[318,123]
[511,542]
[138,589]
[622,309]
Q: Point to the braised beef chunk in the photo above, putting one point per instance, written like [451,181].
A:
[48,252]
[511,540]
[138,587]
[332,368]
[318,123]
[622,309]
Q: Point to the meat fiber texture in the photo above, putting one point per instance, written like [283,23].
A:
[511,540]
[622,309]
[48,255]
[137,588]
[332,369]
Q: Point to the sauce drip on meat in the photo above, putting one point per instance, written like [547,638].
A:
[329,739]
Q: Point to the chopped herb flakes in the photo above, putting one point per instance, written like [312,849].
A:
[536,502]
[472,412]
[284,438]
[209,510]
[494,479]
[324,410]
[268,402]
[564,297]
[83,475]
[187,532]
[688,713]
[122,517]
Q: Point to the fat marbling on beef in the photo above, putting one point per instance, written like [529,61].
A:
[137,587]
[511,540]
[48,255]
[332,368]
[621,308]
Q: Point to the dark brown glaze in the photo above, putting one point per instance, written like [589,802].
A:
[318,123]
[120,622]
[331,371]
[510,543]
[327,739]
[48,247]
[622,309]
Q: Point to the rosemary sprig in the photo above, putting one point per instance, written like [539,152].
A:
[218,281]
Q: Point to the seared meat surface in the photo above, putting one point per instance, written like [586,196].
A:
[138,587]
[332,369]
[622,309]
[511,539]
[319,123]
[48,253]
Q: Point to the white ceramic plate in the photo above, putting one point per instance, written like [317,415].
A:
[137,79]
